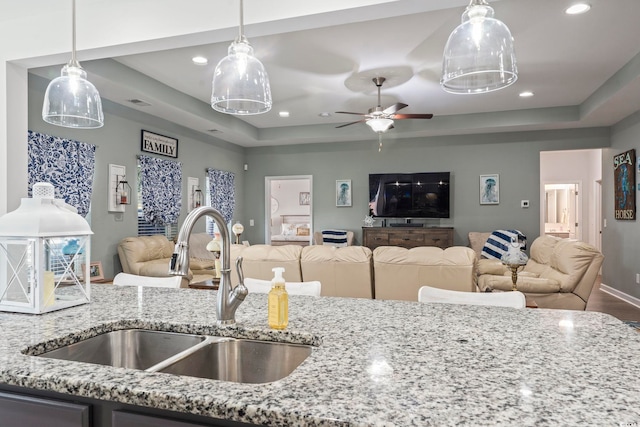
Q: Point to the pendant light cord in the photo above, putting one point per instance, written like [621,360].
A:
[73,62]
[241,26]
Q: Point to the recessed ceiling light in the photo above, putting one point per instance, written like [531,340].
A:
[199,60]
[578,8]
[526,94]
[325,114]
[283,114]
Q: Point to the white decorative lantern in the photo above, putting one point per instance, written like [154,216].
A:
[44,248]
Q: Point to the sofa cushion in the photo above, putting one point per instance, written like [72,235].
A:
[477,241]
[491,266]
[400,272]
[527,284]
[134,251]
[563,260]
[201,264]
[258,260]
[198,246]
[343,272]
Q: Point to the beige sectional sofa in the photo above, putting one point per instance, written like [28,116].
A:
[349,271]
[560,273]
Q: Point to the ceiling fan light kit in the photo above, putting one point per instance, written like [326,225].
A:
[479,56]
[240,81]
[381,120]
[71,100]
[380,124]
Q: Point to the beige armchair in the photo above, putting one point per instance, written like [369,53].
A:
[560,273]
[151,255]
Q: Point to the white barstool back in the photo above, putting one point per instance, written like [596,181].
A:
[515,299]
[125,279]
[258,286]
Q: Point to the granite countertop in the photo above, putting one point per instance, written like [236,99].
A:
[376,363]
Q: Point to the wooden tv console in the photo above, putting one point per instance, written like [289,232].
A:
[407,237]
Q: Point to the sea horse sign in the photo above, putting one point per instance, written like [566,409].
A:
[159,144]
[624,174]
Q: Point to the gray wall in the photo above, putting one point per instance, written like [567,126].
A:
[620,239]
[515,156]
[118,142]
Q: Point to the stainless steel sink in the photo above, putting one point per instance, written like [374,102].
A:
[239,360]
[128,348]
[219,358]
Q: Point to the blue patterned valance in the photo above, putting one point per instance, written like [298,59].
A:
[161,185]
[222,192]
[66,164]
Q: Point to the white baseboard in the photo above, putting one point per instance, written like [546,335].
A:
[620,295]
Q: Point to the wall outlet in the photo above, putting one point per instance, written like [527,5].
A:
[524,204]
[638,278]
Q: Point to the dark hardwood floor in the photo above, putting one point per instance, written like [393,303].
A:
[607,303]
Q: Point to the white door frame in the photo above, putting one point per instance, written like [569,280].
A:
[267,203]
[597,223]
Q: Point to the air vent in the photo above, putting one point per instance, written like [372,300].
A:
[139,102]
[213,130]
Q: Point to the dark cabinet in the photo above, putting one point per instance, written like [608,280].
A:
[17,410]
[407,237]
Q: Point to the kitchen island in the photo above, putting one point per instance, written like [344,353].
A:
[374,363]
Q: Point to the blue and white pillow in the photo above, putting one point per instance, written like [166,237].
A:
[498,241]
[334,238]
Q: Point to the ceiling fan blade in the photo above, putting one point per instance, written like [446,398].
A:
[394,108]
[348,124]
[411,116]
[348,112]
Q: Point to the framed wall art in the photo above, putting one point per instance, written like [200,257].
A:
[625,184]
[159,144]
[490,189]
[343,192]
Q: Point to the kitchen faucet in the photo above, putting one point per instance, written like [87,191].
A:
[229,297]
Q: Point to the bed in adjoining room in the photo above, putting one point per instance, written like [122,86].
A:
[294,230]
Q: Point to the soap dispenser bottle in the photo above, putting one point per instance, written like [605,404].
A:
[278,301]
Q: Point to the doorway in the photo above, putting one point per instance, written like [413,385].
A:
[288,213]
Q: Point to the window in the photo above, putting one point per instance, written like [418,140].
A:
[147,228]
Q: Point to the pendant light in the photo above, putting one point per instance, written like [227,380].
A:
[479,55]
[71,100]
[240,82]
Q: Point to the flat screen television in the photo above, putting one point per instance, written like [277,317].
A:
[409,195]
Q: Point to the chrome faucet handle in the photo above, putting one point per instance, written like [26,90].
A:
[239,270]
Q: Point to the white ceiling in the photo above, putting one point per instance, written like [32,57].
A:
[582,69]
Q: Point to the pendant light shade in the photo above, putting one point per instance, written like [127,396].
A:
[479,55]
[71,100]
[240,82]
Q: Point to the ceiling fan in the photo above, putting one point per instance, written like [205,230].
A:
[382,120]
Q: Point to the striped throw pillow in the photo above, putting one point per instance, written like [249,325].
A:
[334,238]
